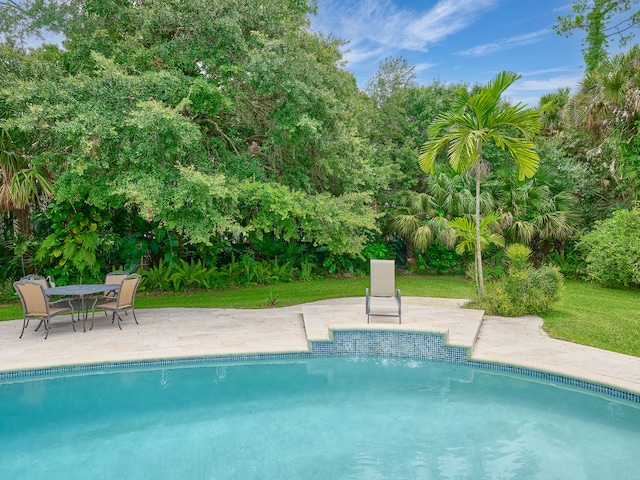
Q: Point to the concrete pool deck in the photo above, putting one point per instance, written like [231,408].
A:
[197,332]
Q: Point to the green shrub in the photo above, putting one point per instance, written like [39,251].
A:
[437,260]
[524,290]
[188,276]
[612,250]
[157,278]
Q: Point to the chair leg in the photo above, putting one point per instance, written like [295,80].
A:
[134,316]
[47,326]
[25,322]
[119,319]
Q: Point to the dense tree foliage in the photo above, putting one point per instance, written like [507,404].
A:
[209,118]
[221,142]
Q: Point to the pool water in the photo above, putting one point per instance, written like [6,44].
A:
[325,418]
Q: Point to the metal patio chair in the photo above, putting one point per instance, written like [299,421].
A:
[36,304]
[123,300]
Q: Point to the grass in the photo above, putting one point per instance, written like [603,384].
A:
[587,314]
[599,317]
[286,294]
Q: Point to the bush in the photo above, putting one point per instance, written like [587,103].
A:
[437,260]
[524,290]
[612,250]
[185,276]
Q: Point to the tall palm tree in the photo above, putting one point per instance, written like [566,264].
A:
[477,119]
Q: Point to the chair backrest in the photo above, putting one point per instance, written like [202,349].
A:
[34,301]
[383,278]
[37,279]
[114,278]
[127,293]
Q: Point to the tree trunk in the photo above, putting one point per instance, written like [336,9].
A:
[479,276]
[23,221]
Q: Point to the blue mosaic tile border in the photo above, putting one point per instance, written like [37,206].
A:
[418,345]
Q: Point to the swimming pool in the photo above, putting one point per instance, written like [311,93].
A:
[329,418]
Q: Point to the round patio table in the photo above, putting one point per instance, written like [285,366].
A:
[82,291]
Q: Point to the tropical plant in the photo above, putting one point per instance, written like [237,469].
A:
[480,118]
[157,277]
[423,217]
[551,107]
[437,260]
[524,290]
[22,184]
[606,113]
[464,231]
[305,273]
[531,213]
[75,251]
[189,275]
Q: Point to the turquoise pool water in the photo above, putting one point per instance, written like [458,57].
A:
[325,418]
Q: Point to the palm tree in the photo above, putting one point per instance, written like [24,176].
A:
[465,230]
[551,106]
[21,184]
[423,217]
[531,213]
[607,107]
[477,119]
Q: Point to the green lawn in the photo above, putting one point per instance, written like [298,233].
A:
[586,314]
[600,317]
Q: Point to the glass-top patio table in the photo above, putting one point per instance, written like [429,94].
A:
[82,291]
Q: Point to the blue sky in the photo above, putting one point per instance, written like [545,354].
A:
[459,40]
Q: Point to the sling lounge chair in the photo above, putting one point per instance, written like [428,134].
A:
[383,300]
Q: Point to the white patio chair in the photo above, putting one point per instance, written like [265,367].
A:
[383,300]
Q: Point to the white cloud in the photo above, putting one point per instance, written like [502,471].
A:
[362,54]
[505,44]
[385,24]
[421,67]
[529,91]
[549,84]
[544,71]
[562,8]
[445,18]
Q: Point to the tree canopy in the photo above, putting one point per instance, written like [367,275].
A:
[212,118]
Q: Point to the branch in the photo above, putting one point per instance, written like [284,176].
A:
[11,3]
[224,135]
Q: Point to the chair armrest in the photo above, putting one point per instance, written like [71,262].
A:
[67,300]
[61,300]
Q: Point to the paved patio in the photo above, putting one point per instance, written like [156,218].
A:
[195,332]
